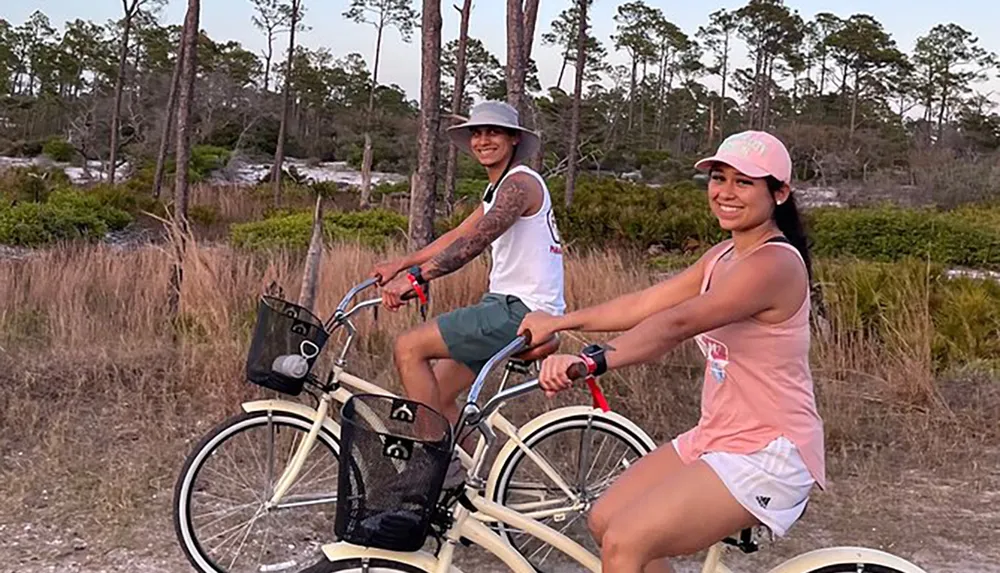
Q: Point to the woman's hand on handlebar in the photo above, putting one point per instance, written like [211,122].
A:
[555,372]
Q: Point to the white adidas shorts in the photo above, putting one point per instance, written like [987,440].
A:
[773,484]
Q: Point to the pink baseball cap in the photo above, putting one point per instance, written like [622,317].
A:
[753,153]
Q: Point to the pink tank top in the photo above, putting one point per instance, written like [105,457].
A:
[757,387]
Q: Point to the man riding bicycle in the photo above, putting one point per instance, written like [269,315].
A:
[516,218]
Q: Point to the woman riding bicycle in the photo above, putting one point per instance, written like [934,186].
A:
[757,449]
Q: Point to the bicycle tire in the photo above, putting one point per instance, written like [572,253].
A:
[637,442]
[372,566]
[854,568]
[221,434]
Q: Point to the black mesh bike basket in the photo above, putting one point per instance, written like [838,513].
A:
[394,454]
[284,332]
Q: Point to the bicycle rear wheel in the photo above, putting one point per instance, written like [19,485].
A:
[219,514]
[588,453]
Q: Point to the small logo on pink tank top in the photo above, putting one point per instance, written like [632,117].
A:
[716,354]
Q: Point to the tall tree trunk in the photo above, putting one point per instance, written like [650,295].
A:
[631,91]
[422,191]
[161,156]
[574,123]
[185,99]
[119,82]
[515,55]
[562,69]
[458,94]
[366,157]
[711,123]
[725,75]
[267,59]
[854,103]
[530,13]
[279,154]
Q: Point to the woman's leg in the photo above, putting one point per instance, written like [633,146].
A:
[688,510]
[646,474]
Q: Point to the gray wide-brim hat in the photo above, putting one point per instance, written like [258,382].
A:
[497,114]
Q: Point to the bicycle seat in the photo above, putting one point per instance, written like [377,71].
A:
[539,351]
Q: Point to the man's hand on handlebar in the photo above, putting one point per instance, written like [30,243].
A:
[385,271]
[559,371]
[393,292]
[540,324]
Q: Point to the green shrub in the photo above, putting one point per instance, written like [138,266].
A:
[966,321]
[205,159]
[204,214]
[373,228]
[31,183]
[614,212]
[884,301]
[67,215]
[58,149]
[890,234]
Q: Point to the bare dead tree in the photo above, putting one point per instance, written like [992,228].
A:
[131,8]
[458,95]
[421,229]
[574,124]
[310,274]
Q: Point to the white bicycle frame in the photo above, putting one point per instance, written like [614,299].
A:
[343,380]
[477,532]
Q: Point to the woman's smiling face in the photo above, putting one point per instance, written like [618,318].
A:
[740,202]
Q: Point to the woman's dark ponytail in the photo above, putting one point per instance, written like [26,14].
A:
[789,221]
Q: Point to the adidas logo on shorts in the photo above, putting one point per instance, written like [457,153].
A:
[763,501]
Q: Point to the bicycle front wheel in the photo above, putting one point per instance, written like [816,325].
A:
[364,566]
[587,453]
[854,568]
[220,516]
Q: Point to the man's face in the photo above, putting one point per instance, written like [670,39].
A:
[492,146]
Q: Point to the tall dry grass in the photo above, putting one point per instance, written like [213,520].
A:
[101,396]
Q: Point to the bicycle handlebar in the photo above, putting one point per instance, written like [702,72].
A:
[342,310]
[576,371]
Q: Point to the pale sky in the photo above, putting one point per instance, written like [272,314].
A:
[906,20]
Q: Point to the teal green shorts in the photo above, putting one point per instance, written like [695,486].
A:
[475,333]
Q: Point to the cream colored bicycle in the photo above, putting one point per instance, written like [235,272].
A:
[391,476]
[258,492]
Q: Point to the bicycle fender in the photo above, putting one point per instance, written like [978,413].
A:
[300,410]
[551,416]
[837,555]
[342,551]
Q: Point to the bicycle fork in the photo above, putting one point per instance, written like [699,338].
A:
[295,466]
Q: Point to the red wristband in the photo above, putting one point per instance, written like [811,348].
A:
[417,288]
[589,363]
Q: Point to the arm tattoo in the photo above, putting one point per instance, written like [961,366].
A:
[512,199]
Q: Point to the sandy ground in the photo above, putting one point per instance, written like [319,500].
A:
[946,521]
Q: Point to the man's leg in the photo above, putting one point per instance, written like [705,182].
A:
[413,352]
[453,378]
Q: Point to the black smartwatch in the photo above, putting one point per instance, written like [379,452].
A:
[415,273]
[595,352]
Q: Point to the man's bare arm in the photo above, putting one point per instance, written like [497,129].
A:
[515,197]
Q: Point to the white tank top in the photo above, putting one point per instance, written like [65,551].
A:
[527,257]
